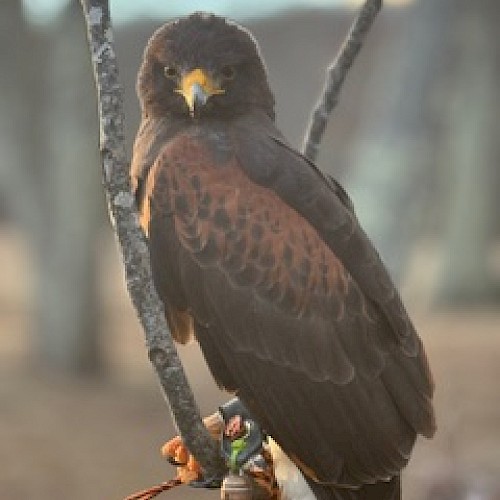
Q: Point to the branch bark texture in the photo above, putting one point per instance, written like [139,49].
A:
[335,77]
[160,345]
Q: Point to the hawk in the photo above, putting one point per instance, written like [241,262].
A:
[260,257]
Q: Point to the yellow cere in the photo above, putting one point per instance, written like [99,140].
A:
[197,78]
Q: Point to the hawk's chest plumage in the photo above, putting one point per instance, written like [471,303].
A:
[222,218]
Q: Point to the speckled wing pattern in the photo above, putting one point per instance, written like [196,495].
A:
[263,257]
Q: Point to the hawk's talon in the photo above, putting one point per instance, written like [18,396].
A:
[188,469]
[175,463]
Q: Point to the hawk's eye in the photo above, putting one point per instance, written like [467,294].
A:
[228,72]
[170,72]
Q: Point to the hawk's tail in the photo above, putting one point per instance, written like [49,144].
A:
[390,490]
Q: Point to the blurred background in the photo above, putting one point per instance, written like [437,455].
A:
[415,140]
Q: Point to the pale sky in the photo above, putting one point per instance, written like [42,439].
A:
[129,9]
[123,10]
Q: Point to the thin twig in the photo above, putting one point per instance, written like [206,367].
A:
[161,348]
[335,76]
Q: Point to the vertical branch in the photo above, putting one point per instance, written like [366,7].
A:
[335,76]
[160,345]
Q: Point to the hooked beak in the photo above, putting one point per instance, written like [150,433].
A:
[197,87]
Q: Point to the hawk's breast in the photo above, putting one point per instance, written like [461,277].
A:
[222,218]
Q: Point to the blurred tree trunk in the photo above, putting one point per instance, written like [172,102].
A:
[470,155]
[391,169]
[49,176]
[67,318]
[18,110]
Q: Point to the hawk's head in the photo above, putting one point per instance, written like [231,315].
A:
[203,65]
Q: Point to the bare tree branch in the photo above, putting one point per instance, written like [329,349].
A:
[161,348]
[335,76]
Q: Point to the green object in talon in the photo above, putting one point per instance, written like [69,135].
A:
[237,446]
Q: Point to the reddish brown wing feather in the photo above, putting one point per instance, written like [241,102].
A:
[260,242]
